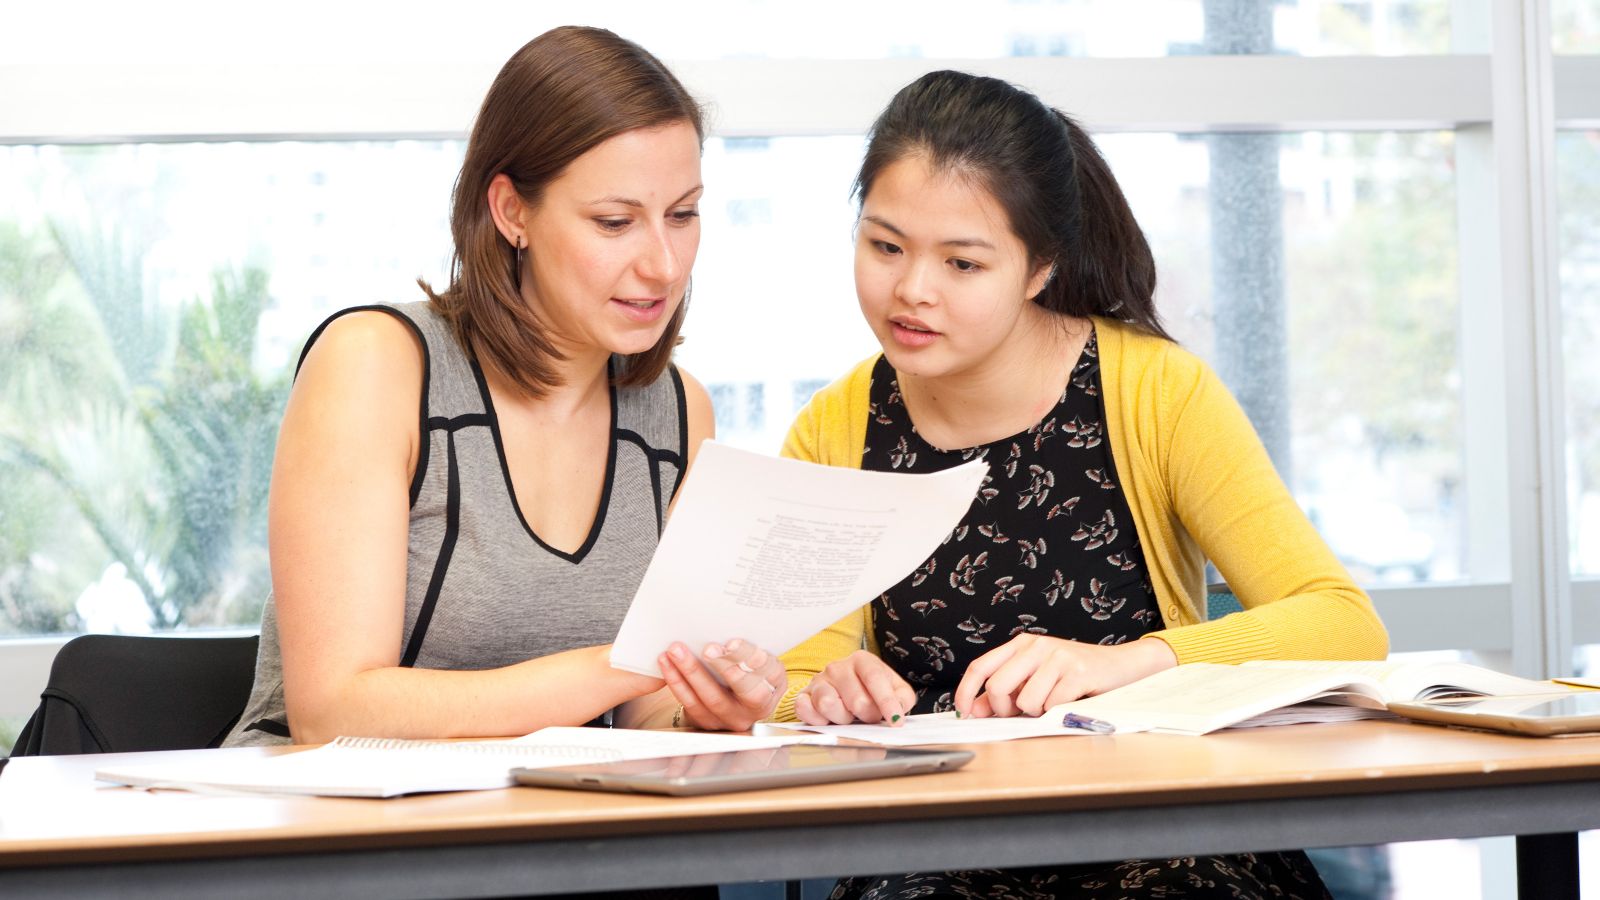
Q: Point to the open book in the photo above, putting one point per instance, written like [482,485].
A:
[381,767]
[1202,697]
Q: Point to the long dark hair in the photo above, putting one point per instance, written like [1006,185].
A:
[562,94]
[1060,196]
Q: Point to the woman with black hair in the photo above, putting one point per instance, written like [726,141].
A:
[1002,271]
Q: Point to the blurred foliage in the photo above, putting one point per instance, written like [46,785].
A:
[1371,297]
[129,435]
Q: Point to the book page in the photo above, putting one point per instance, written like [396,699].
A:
[774,550]
[1197,698]
[1421,680]
[382,767]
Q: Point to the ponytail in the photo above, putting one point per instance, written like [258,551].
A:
[1104,266]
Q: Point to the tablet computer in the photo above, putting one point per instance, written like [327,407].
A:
[745,770]
[1534,714]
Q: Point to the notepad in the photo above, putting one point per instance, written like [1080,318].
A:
[380,767]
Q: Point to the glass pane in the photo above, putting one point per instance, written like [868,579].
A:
[1578,198]
[153,299]
[363,31]
[1575,26]
[1359,247]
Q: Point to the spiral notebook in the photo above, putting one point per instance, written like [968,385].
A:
[381,767]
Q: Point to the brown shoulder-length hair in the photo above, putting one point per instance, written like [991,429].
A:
[562,94]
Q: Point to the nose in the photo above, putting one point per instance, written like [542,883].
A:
[659,262]
[915,286]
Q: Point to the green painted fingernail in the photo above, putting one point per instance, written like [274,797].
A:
[958,713]
[895,717]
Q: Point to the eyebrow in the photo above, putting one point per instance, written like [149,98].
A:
[952,242]
[637,204]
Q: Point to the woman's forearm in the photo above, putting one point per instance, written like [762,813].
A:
[568,688]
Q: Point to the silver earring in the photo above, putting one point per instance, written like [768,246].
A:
[517,273]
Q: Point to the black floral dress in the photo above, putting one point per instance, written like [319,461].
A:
[1048,548]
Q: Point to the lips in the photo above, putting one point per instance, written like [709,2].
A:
[911,332]
[912,324]
[646,309]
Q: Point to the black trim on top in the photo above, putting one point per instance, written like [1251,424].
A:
[270,726]
[447,548]
[466,420]
[653,459]
[505,468]
[683,428]
[427,368]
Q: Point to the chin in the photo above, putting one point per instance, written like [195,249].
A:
[910,362]
[632,345]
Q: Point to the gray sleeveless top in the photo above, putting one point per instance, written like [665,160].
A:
[482,590]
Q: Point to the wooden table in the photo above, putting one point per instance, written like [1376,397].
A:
[1052,800]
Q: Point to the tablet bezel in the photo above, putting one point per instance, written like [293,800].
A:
[620,777]
[1468,712]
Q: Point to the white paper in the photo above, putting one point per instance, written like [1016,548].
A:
[774,550]
[376,767]
[945,728]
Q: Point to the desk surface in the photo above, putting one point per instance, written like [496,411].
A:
[1044,800]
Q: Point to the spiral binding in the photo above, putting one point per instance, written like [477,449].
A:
[482,748]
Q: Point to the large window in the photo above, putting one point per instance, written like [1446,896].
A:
[1378,219]
[162,292]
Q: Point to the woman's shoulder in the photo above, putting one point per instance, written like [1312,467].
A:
[833,421]
[1140,359]
[379,336]
[850,388]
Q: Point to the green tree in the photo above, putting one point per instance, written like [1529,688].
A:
[125,442]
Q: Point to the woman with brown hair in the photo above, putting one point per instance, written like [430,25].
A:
[467,489]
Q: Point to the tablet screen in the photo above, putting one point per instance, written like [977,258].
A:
[706,773]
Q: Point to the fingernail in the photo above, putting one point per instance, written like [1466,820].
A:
[714,651]
[734,645]
[895,717]
[678,652]
[958,713]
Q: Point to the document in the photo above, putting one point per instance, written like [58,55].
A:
[774,550]
[382,767]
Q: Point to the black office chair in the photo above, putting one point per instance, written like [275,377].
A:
[119,693]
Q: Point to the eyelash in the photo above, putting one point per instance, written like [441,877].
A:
[679,217]
[963,266]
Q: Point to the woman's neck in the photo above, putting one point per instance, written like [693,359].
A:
[580,381]
[1003,395]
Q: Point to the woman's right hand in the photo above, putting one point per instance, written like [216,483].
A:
[859,688]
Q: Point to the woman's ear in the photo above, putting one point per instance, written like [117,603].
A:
[1042,273]
[509,212]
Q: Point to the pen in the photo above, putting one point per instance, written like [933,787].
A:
[1098,726]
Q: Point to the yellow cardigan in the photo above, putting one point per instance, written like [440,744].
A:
[1199,484]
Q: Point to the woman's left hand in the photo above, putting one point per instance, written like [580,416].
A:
[755,681]
[1031,673]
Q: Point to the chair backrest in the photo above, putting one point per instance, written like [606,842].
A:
[120,693]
